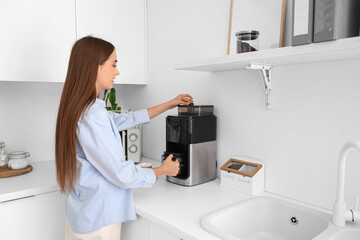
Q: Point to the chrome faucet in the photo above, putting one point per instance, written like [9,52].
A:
[340,214]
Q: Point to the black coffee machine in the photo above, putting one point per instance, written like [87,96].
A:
[191,138]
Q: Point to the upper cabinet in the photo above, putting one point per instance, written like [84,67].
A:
[123,23]
[37,36]
[36,39]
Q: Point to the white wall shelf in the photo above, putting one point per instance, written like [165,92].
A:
[265,60]
[342,49]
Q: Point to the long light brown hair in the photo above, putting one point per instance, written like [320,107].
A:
[79,92]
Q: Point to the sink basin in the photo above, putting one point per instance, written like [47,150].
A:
[267,218]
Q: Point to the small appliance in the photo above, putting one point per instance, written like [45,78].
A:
[191,138]
[131,140]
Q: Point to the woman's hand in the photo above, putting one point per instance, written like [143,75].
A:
[184,99]
[169,167]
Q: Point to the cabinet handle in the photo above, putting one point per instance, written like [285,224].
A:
[16,199]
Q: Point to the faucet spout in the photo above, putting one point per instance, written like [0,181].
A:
[339,210]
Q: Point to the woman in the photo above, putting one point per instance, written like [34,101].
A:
[90,160]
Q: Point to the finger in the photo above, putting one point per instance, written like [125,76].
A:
[186,100]
[188,95]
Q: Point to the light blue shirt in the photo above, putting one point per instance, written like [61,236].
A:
[102,192]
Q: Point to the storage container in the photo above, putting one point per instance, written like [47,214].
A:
[243,173]
[195,110]
[18,160]
[3,155]
[247,41]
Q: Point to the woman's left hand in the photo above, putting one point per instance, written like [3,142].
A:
[184,99]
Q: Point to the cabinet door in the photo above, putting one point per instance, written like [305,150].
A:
[157,232]
[135,230]
[36,39]
[123,23]
[33,218]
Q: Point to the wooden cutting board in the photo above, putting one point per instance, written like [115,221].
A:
[7,172]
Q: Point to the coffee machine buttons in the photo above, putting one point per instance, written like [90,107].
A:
[133,137]
[133,148]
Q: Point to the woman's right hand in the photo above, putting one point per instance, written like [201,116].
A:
[169,167]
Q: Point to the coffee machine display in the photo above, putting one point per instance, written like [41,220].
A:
[191,138]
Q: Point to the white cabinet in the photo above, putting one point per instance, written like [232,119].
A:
[36,39]
[145,230]
[157,232]
[33,218]
[135,230]
[123,23]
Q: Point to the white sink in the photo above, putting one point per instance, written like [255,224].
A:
[267,218]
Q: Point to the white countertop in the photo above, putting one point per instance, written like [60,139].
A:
[173,207]
[179,208]
[41,179]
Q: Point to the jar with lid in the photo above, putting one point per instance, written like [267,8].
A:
[3,155]
[18,160]
[247,41]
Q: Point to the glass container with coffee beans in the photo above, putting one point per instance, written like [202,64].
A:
[247,41]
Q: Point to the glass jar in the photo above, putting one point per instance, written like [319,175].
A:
[247,41]
[18,160]
[3,155]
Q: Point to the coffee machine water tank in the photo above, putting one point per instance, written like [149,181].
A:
[191,138]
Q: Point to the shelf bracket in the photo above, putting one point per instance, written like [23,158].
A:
[265,74]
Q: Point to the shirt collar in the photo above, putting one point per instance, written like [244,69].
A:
[100,102]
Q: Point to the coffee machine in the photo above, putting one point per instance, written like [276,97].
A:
[191,138]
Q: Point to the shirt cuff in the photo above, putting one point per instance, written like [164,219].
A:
[150,177]
[143,116]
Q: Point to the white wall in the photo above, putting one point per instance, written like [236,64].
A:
[315,106]
[28,117]
[28,112]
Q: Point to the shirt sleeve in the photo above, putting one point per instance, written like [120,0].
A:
[128,120]
[102,149]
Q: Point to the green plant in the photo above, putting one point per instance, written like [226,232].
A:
[111,96]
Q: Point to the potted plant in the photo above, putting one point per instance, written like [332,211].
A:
[110,96]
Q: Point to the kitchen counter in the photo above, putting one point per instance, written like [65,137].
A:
[179,209]
[175,208]
[42,179]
